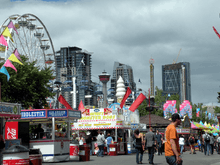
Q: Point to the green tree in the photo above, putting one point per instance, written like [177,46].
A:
[28,86]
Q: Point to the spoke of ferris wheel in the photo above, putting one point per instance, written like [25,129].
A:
[21,44]
[26,43]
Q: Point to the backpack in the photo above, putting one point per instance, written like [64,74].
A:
[191,140]
[207,138]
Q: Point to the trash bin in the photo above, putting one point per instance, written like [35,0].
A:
[84,152]
[35,156]
[16,154]
[113,149]
[74,151]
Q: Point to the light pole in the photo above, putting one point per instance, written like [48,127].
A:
[58,89]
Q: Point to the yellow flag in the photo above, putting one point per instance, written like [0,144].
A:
[7,33]
[14,58]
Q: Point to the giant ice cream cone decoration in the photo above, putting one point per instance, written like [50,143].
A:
[120,91]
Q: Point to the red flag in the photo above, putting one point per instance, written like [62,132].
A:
[81,106]
[216,32]
[128,92]
[64,102]
[137,102]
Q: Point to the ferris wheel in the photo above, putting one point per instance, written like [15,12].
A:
[29,37]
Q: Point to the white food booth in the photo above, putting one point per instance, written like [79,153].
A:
[109,120]
[54,142]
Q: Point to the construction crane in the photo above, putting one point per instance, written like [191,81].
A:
[174,62]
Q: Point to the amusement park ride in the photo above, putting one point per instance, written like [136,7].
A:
[31,39]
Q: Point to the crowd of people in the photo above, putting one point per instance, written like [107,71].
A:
[174,144]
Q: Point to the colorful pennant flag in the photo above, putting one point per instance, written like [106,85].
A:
[11,25]
[137,102]
[9,64]
[62,100]
[197,112]
[216,32]
[3,41]
[7,33]
[14,58]
[4,71]
[17,54]
[81,106]
[128,92]
[209,116]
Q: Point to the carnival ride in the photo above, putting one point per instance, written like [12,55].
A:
[29,36]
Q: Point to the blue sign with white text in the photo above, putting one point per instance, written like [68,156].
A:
[33,114]
[57,113]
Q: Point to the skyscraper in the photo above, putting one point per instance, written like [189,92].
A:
[72,61]
[176,80]
[126,72]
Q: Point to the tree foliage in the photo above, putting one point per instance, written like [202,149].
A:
[28,86]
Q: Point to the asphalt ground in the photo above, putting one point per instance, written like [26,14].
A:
[188,159]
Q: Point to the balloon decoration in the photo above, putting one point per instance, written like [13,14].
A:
[186,108]
[169,107]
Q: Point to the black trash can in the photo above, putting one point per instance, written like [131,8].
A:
[35,156]
[16,154]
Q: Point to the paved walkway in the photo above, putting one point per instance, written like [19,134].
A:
[188,159]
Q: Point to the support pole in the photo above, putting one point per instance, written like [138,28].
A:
[53,128]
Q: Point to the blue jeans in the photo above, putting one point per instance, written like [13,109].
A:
[139,150]
[101,150]
[108,148]
[171,160]
[181,149]
[159,149]
[207,148]
[151,154]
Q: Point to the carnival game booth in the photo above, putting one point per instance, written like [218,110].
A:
[106,120]
[54,140]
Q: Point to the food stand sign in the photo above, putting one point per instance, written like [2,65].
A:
[10,109]
[76,114]
[57,113]
[33,114]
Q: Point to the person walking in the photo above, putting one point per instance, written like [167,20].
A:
[2,146]
[109,141]
[181,143]
[191,144]
[218,144]
[138,146]
[206,141]
[159,142]
[202,142]
[89,141]
[211,144]
[100,142]
[172,148]
[150,140]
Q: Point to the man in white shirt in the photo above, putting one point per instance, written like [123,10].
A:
[100,142]
[206,141]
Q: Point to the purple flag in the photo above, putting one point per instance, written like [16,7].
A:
[11,25]
[17,54]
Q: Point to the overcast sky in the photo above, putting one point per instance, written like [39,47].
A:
[131,32]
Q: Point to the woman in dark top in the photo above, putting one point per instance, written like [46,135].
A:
[138,146]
